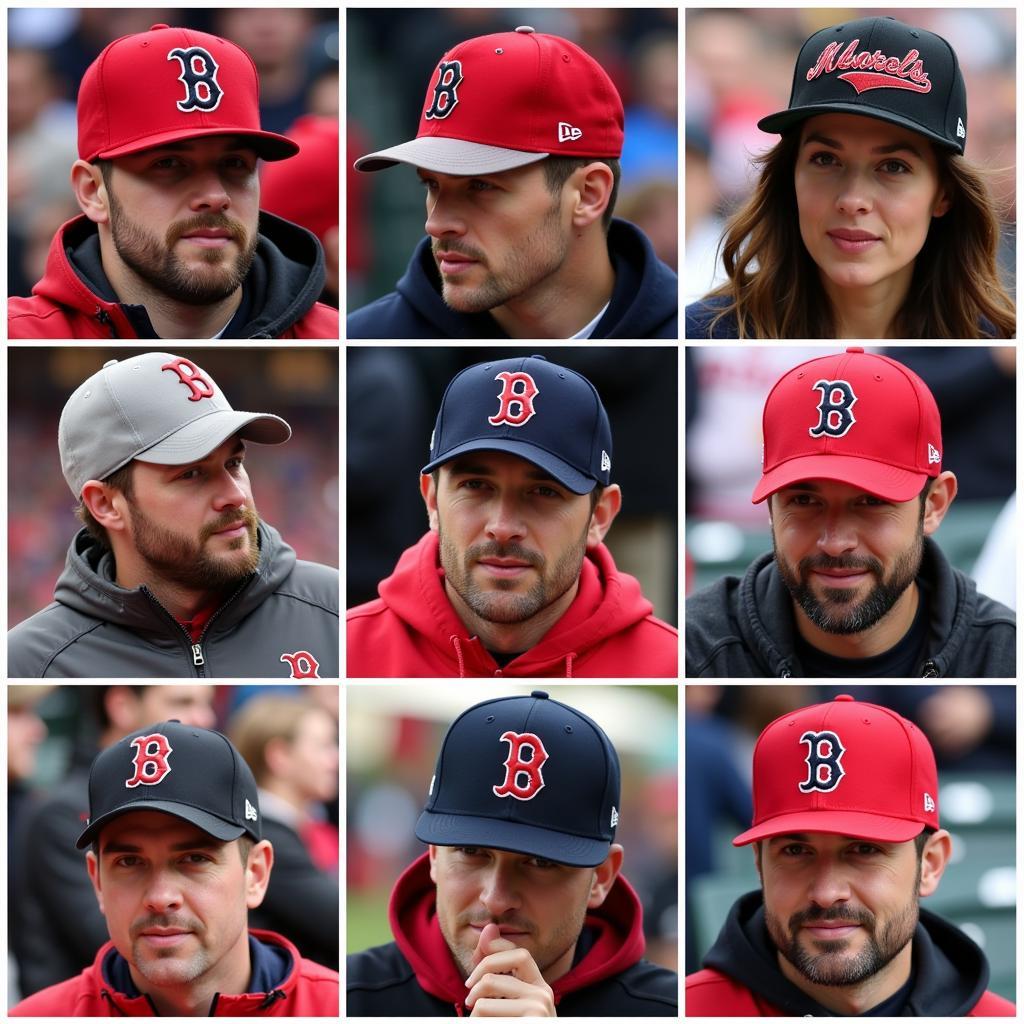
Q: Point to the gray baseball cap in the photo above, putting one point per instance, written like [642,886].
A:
[156,407]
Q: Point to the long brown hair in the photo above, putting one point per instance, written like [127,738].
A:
[774,286]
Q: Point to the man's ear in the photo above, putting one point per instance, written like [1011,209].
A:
[604,876]
[257,873]
[90,191]
[93,867]
[605,511]
[593,186]
[429,492]
[432,850]
[937,501]
[934,858]
[104,505]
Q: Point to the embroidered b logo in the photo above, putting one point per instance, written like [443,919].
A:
[516,399]
[199,76]
[449,78]
[303,665]
[192,377]
[824,757]
[151,765]
[835,410]
[523,779]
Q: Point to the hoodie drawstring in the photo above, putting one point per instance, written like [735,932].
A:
[458,655]
[113,1003]
[272,997]
[568,664]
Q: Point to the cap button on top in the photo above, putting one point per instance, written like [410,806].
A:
[539,694]
[844,696]
[855,348]
[525,28]
[153,28]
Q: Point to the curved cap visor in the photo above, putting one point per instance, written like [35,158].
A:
[268,145]
[559,470]
[200,437]
[888,482]
[781,121]
[497,834]
[209,823]
[857,824]
[448,156]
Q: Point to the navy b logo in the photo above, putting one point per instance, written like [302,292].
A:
[449,78]
[824,756]
[835,411]
[199,76]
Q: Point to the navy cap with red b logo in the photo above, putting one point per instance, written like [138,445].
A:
[526,774]
[191,773]
[544,413]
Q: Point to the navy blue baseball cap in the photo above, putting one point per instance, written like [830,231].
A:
[544,413]
[525,774]
[194,774]
[882,68]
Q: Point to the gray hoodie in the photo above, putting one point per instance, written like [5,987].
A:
[281,622]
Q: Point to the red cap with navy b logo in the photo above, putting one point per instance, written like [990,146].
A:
[857,418]
[191,773]
[167,85]
[542,412]
[845,768]
[526,774]
[506,100]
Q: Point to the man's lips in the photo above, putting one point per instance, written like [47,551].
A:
[504,929]
[507,567]
[232,530]
[831,930]
[164,936]
[841,577]
[210,237]
[453,262]
[852,240]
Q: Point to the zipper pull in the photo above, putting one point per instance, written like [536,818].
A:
[197,655]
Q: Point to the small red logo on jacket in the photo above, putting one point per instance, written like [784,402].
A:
[302,664]
[523,779]
[151,764]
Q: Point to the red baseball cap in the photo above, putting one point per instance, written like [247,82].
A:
[510,99]
[855,417]
[166,85]
[846,768]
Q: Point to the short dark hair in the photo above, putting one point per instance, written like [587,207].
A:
[121,479]
[106,169]
[558,170]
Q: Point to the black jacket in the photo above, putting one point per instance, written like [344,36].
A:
[950,973]
[744,628]
[416,976]
[644,303]
[95,629]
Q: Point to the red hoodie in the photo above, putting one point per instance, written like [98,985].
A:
[412,630]
[64,306]
[308,990]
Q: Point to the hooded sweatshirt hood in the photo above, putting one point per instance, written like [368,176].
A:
[950,973]
[413,630]
[644,302]
[612,938]
[74,299]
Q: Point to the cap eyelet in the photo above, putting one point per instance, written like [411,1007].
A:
[565,58]
[800,375]
[499,50]
[878,376]
[489,719]
[568,730]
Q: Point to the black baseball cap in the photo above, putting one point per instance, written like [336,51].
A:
[525,774]
[194,774]
[879,67]
[544,413]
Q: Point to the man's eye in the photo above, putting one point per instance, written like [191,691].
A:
[476,185]
[128,860]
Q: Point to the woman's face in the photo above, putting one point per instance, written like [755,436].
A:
[866,192]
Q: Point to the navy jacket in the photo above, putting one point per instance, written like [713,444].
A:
[644,303]
[700,314]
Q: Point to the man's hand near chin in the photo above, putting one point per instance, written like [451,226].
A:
[506,981]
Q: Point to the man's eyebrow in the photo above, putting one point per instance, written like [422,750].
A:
[201,843]
[187,145]
[801,485]
[463,467]
[879,150]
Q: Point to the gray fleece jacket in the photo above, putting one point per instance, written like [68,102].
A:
[281,622]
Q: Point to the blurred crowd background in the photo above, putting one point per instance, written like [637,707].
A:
[287,734]
[296,52]
[295,485]
[394,734]
[739,68]
[973,732]
[392,54]
[975,389]
[393,398]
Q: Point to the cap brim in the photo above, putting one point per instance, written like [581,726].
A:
[448,156]
[498,834]
[561,471]
[856,824]
[888,482]
[268,145]
[216,827]
[783,120]
[197,439]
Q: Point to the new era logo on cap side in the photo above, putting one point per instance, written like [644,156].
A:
[150,761]
[934,455]
[872,70]
[199,76]
[250,811]
[835,410]
[961,132]
[516,398]
[929,803]
[567,133]
[824,762]
[523,778]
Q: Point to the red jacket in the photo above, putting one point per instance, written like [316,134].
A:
[711,994]
[308,990]
[287,274]
[412,630]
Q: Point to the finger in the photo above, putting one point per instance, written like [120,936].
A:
[512,1008]
[490,941]
[515,961]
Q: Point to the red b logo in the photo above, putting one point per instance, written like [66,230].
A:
[192,377]
[516,768]
[521,401]
[303,665]
[150,760]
